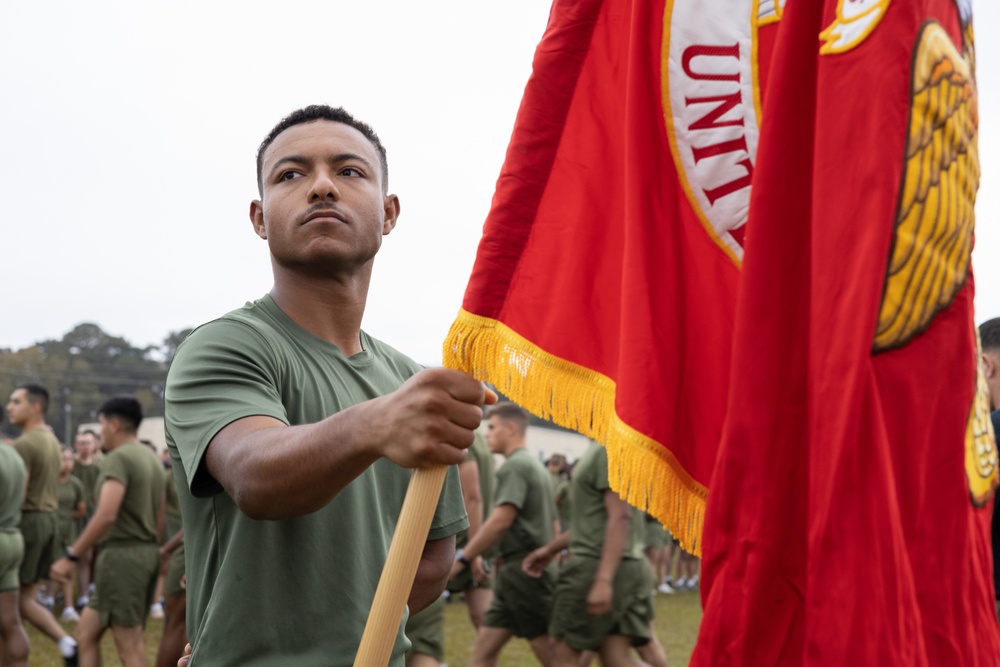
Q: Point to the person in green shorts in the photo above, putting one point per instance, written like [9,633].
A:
[87,469]
[478,479]
[12,484]
[293,432]
[523,519]
[172,552]
[124,525]
[603,598]
[72,508]
[39,520]
[425,630]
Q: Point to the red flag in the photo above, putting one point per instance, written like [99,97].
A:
[844,525]
[604,289]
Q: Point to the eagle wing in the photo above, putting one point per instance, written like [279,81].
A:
[935,219]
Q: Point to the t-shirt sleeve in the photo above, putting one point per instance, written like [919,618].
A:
[224,371]
[450,517]
[113,467]
[512,485]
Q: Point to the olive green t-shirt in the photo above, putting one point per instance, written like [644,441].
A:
[12,478]
[479,453]
[296,591]
[70,493]
[42,458]
[88,474]
[524,483]
[590,517]
[135,466]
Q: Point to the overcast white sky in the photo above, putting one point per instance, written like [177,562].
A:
[130,131]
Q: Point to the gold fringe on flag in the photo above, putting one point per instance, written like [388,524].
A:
[641,470]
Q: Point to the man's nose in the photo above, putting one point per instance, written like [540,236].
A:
[324,186]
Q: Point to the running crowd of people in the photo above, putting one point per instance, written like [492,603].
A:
[90,536]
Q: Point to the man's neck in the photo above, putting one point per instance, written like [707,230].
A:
[32,424]
[514,446]
[330,308]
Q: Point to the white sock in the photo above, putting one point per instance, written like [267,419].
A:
[67,646]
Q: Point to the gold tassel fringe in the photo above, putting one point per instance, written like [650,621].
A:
[642,471]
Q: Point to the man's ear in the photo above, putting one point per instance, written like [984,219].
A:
[257,218]
[989,365]
[391,211]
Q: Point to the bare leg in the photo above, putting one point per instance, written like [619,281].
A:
[616,651]
[88,638]
[489,642]
[478,601]
[131,645]
[542,647]
[83,571]
[174,633]
[564,655]
[653,652]
[15,639]
[39,616]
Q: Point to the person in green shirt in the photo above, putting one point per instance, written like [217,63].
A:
[39,521]
[87,469]
[603,598]
[293,433]
[12,485]
[72,508]
[523,519]
[125,527]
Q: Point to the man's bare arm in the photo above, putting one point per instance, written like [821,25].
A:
[432,573]
[275,471]
[615,536]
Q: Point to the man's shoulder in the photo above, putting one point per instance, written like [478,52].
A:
[36,438]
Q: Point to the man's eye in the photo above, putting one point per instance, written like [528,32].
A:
[289,175]
[350,171]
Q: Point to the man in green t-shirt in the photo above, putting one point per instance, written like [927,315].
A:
[124,526]
[39,520]
[523,519]
[12,484]
[603,599]
[293,433]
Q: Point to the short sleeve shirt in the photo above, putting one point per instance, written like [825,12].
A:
[479,453]
[296,591]
[70,494]
[172,508]
[12,480]
[590,517]
[88,475]
[42,459]
[138,469]
[524,483]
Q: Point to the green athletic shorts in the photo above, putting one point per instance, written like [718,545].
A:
[125,580]
[41,545]
[656,535]
[175,570]
[521,603]
[11,553]
[67,534]
[425,631]
[631,604]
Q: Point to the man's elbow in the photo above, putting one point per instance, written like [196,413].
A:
[432,574]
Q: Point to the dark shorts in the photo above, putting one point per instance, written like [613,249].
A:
[41,545]
[125,581]
[426,631]
[521,603]
[11,553]
[67,533]
[631,604]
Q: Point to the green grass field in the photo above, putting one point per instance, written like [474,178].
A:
[677,619]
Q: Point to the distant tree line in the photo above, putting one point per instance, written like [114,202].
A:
[84,369]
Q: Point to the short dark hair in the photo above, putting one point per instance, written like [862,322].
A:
[312,113]
[90,431]
[989,334]
[510,412]
[126,408]
[36,394]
